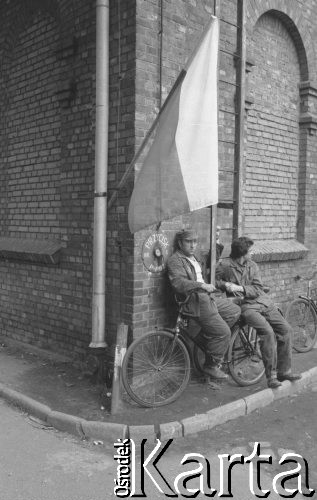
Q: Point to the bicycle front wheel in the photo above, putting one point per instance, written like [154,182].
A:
[156,369]
[244,357]
[302,317]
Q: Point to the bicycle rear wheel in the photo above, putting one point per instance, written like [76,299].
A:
[156,369]
[302,317]
[244,357]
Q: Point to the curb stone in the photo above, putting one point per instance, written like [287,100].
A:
[28,404]
[65,423]
[303,382]
[216,416]
[104,431]
[290,388]
[228,412]
[171,430]
[283,391]
[196,423]
[110,431]
[139,432]
[313,373]
[258,400]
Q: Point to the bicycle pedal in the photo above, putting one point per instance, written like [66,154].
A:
[216,386]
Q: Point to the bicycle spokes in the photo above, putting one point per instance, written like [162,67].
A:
[302,318]
[244,357]
[156,369]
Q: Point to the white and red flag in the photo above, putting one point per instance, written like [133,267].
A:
[180,171]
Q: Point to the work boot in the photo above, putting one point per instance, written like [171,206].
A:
[273,383]
[214,372]
[292,377]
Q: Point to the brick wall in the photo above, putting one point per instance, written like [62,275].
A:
[47,132]
[119,271]
[278,180]
[47,126]
[32,127]
[46,147]
[280,138]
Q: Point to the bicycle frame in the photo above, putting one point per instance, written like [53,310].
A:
[308,297]
[181,331]
[309,286]
[303,319]
[311,301]
[246,338]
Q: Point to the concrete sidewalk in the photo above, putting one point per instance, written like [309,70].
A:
[50,388]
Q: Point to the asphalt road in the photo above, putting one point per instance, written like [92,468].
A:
[39,463]
[287,426]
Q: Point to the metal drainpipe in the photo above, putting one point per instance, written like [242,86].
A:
[101,173]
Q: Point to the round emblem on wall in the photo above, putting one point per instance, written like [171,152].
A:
[155,252]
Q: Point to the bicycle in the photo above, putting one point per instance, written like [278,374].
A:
[301,314]
[157,367]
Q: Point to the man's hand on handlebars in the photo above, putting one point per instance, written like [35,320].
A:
[208,287]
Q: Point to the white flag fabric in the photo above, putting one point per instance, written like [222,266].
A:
[180,172]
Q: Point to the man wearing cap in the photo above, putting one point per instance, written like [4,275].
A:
[214,315]
[239,275]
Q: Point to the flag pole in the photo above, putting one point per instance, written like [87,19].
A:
[213,209]
[213,246]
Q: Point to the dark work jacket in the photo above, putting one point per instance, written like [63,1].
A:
[246,275]
[182,276]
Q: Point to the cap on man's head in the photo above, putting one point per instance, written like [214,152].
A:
[187,234]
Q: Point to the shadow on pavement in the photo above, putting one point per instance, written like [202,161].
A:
[55,381]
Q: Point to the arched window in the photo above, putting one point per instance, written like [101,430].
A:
[270,191]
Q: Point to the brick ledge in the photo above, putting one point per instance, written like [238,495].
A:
[30,250]
[275,250]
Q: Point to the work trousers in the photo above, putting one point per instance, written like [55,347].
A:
[216,317]
[275,337]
